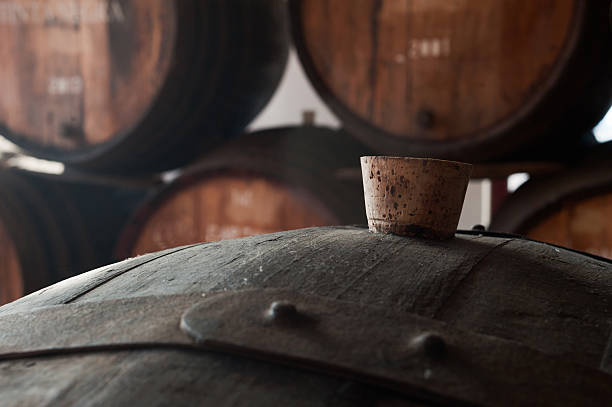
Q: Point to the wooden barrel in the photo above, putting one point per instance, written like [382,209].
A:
[135,85]
[11,281]
[52,228]
[472,80]
[572,208]
[268,181]
[319,316]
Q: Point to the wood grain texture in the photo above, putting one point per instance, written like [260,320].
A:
[439,78]
[547,298]
[77,74]
[516,289]
[582,224]
[466,62]
[135,85]
[266,181]
[177,378]
[228,206]
[11,281]
[572,208]
[340,339]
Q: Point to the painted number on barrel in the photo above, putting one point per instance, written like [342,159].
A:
[422,48]
[46,12]
[65,85]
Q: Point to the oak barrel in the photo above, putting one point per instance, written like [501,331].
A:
[571,208]
[470,80]
[267,181]
[135,85]
[319,316]
[52,228]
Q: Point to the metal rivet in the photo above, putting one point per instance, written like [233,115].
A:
[425,119]
[281,310]
[430,344]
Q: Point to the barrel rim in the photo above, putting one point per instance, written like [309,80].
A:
[539,197]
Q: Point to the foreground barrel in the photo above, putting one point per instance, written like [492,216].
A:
[52,228]
[472,80]
[268,181]
[572,208]
[319,316]
[135,85]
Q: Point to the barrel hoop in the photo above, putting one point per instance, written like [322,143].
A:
[416,356]
[536,198]
[505,235]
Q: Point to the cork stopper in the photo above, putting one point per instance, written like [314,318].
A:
[414,196]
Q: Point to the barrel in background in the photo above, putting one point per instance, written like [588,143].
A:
[52,228]
[571,208]
[267,181]
[45,234]
[470,80]
[139,85]
[11,281]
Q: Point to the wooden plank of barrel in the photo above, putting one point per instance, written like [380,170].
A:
[268,181]
[11,283]
[36,237]
[572,208]
[52,228]
[469,80]
[135,85]
[545,300]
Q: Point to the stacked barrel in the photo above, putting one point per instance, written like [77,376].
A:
[53,227]
[516,86]
[571,208]
[146,104]
[121,91]
[472,80]
[267,181]
[127,88]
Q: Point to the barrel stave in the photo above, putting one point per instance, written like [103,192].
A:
[508,287]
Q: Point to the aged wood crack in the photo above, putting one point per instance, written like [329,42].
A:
[106,280]
[461,281]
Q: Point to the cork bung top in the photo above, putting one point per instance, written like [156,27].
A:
[414,196]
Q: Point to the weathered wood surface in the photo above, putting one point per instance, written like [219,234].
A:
[460,80]
[390,351]
[177,378]
[571,208]
[547,298]
[136,84]
[264,182]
